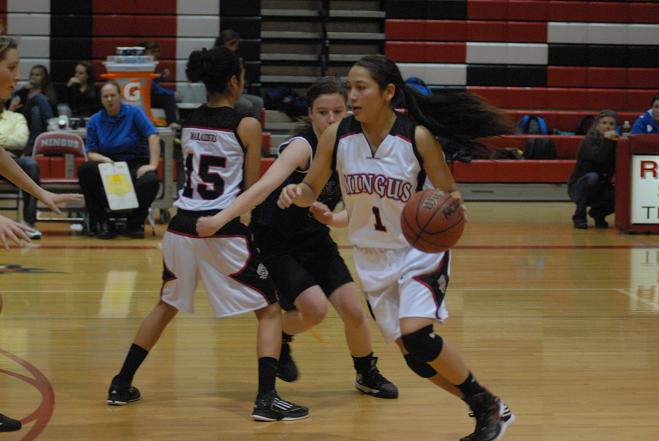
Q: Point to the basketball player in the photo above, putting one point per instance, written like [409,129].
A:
[298,251]
[221,149]
[381,159]
[9,229]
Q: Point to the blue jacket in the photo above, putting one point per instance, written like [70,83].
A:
[122,137]
[645,124]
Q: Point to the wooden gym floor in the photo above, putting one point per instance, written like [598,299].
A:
[563,324]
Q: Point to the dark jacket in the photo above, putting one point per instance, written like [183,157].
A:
[596,154]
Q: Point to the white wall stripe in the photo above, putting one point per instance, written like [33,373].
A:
[28,5]
[184,46]
[34,46]
[603,33]
[440,74]
[28,24]
[198,26]
[198,7]
[507,53]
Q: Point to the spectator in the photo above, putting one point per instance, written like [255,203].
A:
[36,101]
[119,132]
[590,184]
[13,137]
[82,95]
[648,123]
[162,97]
[250,105]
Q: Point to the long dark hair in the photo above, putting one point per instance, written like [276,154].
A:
[213,67]
[460,116]
[90,91]
[655,98]
[46,85]
[322,86]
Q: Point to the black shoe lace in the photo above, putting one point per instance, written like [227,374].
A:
[376,378]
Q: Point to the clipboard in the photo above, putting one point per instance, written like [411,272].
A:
[118,186]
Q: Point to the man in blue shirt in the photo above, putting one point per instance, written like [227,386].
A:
[119,132]
[648,123]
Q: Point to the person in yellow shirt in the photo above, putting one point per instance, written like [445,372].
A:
[14,134]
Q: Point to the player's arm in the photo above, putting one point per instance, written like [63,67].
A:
[295,155]
[12,172]
[249,131]
[305,193]
[434,162]
[325,216]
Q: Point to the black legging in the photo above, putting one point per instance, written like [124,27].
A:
[146,189]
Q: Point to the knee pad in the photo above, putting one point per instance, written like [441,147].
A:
[421,368]
[423,344]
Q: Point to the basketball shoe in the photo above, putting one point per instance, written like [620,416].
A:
[122,395]
[270,407]
[287,370]
[492,417]
[9,424]
[372,382]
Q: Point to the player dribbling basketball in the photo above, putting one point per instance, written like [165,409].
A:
[382,159]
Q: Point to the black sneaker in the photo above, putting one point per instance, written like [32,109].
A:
[374,383]
[134,232]
[601,223]
[122,395]
[287,370]
[9,424]
[270,407]
[492,417]
[581,224]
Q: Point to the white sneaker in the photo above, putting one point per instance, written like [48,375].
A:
[34,234]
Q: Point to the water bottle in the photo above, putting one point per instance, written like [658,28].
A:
[626,128]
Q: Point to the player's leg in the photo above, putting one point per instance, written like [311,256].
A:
[269,406]
[179,282]
[347,301]
[421,295]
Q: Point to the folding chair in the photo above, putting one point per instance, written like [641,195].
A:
[58,155]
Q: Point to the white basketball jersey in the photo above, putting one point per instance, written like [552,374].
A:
[214,159]
[375,186]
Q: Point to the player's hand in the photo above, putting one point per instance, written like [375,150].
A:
[13,231]
[288,195]
[322,213]
[457,195]
[52,200]
[206,226]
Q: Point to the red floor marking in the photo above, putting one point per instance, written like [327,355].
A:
[44,411]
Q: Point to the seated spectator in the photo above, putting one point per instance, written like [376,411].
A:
[250,105]
[13,137]
[590,184]
[649,121]
[119,132]
[161,97]
[36,101]
[81,93]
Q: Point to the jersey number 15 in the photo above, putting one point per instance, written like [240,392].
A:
[212,185]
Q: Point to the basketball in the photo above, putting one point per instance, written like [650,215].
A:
[432,221]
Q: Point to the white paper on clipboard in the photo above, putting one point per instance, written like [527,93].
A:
[118,186]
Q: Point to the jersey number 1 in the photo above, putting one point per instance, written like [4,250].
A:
[378,220]
[212,186]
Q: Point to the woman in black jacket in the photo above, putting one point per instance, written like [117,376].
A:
[590,184]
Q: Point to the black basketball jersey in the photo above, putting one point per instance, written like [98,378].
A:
[296,220]
[214,158]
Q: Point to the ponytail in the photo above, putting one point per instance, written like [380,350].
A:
[460,116]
